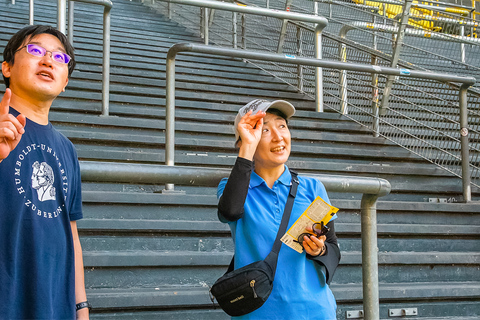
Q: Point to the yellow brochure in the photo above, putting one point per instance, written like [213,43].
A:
[318,211]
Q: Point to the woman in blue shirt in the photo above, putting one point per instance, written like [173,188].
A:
[252,202]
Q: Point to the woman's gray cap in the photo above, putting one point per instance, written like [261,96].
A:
[263,105]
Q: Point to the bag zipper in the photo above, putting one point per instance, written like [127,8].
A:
[252,285]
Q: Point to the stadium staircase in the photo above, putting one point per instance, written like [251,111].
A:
[150,255]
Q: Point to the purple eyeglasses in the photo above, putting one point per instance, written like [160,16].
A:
[38,51]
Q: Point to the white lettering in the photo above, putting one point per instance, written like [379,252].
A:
[17,172]
[20,190]
[49,150]
[21,157]
[39,213]
[18,163]
[28,203]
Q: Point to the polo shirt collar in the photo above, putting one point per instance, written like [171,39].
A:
[285,179]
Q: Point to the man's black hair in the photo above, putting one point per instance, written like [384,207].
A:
[273,111]
[21,38]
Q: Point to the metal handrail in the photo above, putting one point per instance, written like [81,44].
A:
[320,22]
[107,4]
[289,59]
[371,188]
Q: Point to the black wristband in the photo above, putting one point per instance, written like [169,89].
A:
[82,305]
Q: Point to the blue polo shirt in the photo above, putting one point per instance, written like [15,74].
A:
[299,289]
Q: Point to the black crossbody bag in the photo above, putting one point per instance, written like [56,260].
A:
[244,290]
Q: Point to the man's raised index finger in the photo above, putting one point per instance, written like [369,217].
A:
[5,103]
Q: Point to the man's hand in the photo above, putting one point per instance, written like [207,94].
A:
[11,128]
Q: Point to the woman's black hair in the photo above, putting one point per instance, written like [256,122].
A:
[273,111]
[25,34]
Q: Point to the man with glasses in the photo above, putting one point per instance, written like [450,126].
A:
[41,264]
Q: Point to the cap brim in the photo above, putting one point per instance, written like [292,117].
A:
[284,106]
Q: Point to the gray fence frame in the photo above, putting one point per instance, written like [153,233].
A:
[371,188]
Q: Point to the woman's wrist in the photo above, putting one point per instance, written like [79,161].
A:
[247,152]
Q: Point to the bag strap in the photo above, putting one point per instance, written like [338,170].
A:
[272,257]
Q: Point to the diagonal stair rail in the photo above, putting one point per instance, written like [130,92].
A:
[371,188]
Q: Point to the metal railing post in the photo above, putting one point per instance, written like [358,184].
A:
[283,30]
[31,13]
[318,70]
[106,62]
[71,9]
[375,113]
[299,53]
[205,26]
[234,30]
[170,113]
[467,189]
[371,303]
[61,15]
[462,45]
[343,80]
[396,55]
[244,32]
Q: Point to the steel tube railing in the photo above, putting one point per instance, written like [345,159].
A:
[320,22]
[61,18]
[107,4]
[210,177]
[30,12]
[467,191]
[371,188]
[373,69]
